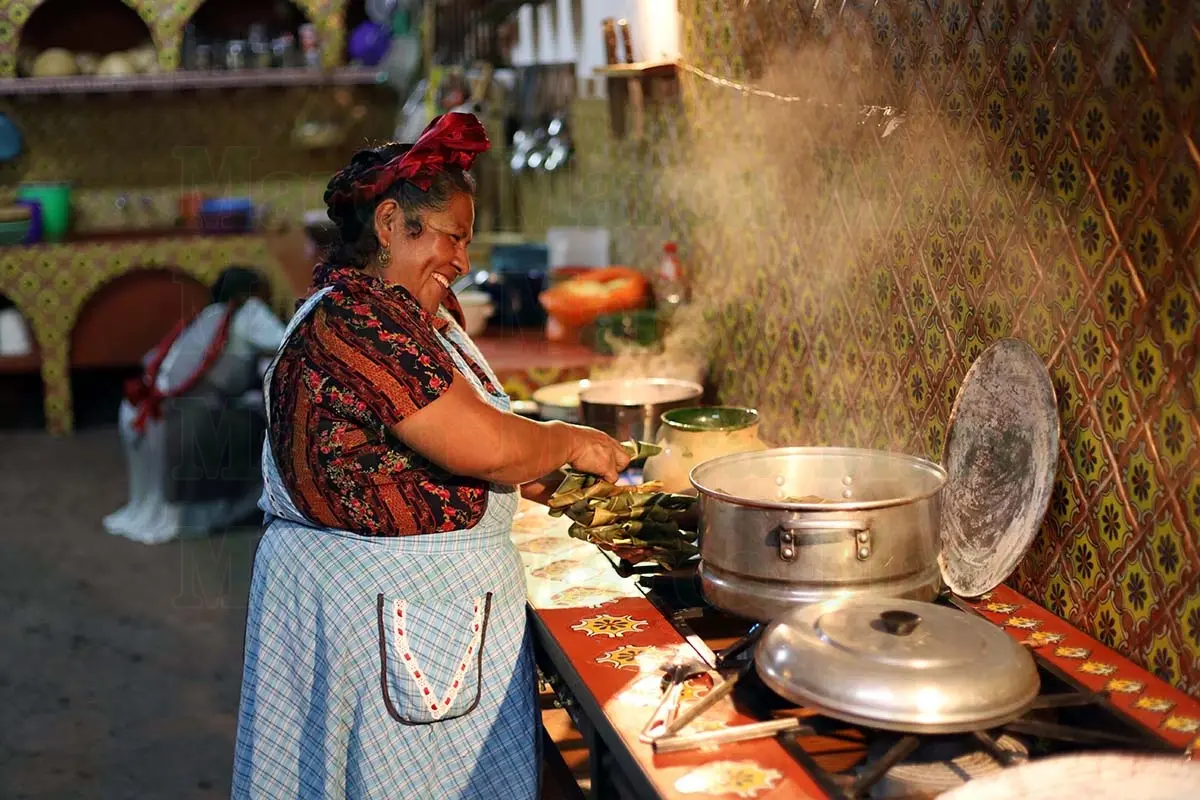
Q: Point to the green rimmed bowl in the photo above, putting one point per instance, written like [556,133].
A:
[713,418]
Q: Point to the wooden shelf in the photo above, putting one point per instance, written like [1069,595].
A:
[637,70]
[183,80]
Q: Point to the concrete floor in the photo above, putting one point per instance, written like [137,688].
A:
[120,664]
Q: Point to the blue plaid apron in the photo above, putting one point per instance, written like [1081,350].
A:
[387,667]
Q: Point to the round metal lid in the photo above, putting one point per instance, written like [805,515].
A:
[898,664]
[1001,454]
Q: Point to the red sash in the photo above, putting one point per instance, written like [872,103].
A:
[142,392]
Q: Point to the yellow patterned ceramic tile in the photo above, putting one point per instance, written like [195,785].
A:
[1189,629]
[1088,455]
[1137,592]
[1108,623]
[1174,437]
[1115,527]
[1150,251]
[1142,486]
[1092,240]
[1144,367]
[1163,658]
[1168,548]
[1177,317]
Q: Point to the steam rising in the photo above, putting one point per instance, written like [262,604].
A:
[787,211]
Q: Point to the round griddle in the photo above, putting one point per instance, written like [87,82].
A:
[1001,454]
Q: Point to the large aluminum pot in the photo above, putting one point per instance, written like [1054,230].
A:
[798,525]
[632,409]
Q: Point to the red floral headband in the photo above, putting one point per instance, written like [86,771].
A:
[451,140]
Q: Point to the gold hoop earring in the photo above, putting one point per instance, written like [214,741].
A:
[383,256]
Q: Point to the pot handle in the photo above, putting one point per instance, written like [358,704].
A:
[861,529]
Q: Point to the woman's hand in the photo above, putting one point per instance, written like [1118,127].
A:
[596,453]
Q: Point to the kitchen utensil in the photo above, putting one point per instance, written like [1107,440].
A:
[691,436]
[227,215]
[15,338]
[560,401]
[1001,454]
[899,665]
[693,712]
[55,201]
[515,277]
[34,234]
[1094,776]
[799,525]
[15,222]
[578,247]
[675,675]
[381,11]
[737,733]
[190,205]
[633,408]
[369,43]
[10,139]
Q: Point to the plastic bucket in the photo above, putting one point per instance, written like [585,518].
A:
[55,202]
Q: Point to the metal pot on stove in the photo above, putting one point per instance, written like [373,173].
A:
[801,525]
[794,526]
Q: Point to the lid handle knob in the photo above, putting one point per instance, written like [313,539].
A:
[899,623]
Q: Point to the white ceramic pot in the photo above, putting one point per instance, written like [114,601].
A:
[691,436]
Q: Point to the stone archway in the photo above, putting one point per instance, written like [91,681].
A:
[125,317]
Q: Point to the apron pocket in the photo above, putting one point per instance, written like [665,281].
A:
[431,657]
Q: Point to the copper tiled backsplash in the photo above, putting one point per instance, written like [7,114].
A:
[1044,184]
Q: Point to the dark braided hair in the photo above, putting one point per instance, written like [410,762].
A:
[356,242]
[238,284]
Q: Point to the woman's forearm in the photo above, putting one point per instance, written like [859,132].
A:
[464,435]
[525,450]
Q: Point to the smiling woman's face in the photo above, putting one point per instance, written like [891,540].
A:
[428,264]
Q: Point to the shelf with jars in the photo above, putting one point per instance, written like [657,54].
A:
[61,47]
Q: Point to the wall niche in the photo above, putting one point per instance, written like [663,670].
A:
[85,37]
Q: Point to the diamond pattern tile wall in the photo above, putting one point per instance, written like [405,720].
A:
[1046,185]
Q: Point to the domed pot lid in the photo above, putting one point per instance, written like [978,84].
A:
[898,664]
[1001,454]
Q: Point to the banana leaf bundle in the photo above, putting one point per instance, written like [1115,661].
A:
[639,451]
[639,541]
[644,503]
[637,523]
[578,487]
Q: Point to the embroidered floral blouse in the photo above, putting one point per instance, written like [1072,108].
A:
[366,358]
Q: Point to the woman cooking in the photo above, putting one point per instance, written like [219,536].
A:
[386,647]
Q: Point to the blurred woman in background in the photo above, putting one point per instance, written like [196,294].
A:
[192,424]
